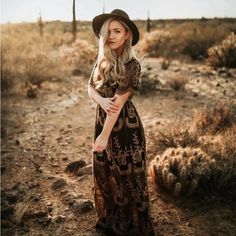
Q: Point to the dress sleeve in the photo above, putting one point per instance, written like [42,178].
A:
[131,82]
[91,81]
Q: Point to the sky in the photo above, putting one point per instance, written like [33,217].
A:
[28,10]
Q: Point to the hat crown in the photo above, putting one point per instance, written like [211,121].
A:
[120,13]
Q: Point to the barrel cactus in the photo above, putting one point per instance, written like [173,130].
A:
[178,170]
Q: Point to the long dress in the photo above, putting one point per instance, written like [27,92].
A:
[120,173]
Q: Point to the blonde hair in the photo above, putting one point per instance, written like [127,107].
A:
[115,67]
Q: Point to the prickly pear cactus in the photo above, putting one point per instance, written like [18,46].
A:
[178,170]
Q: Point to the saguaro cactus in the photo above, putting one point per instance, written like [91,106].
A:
[41,25]
[148,23]
[74,23]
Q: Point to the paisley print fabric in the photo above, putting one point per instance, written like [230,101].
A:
[120,172]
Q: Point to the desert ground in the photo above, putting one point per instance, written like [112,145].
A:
[43,193]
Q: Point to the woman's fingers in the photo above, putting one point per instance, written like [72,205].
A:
[113,98]
[113,109]
[113,104]
[98,148]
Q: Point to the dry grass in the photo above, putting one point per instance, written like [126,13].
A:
[176,135]
[20,209]
[215,119]
[29,58]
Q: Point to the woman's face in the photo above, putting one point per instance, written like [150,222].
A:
[117,35]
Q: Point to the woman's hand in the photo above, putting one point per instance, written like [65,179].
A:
[100,143]
[108,105]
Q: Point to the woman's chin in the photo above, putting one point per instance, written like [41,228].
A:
[113,48]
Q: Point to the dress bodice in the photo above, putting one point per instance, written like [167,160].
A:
[111,86]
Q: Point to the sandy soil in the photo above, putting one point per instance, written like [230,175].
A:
[41,136]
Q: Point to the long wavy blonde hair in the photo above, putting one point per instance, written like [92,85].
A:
[115,66]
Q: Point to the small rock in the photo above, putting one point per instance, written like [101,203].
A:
[35,214]
[70,140]
[17,142]
[82,206]
[188,224]
[36,198]
[31,93]
[73,167]
[55,165]
[12,196]
[33,184]
[60,219]
[44,220]
[58,184]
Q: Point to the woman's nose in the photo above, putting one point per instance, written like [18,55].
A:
[110,35]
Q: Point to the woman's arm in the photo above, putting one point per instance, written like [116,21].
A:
[111,120]
[102,140]
[105,103]
[93,94]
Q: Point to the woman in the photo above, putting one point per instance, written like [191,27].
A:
[119,149]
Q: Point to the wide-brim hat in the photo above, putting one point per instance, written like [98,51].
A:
[98,21]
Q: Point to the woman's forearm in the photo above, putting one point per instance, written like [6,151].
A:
[111,120]
[94,95]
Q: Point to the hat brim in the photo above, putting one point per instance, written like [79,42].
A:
[98,21]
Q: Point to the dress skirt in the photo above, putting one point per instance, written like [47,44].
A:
[120,175]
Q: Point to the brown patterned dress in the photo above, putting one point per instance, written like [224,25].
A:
[120,173]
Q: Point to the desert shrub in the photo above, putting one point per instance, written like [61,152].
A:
[155,43]
[222,148]
[58,39]
[177,82]
[148,82]
[8,75]
[27,57]
[196,44]
[38,68]
[223,54]
[214,119]
[173,136]
[195,38]
[80,56]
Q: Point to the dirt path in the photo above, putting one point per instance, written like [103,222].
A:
[43,135]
